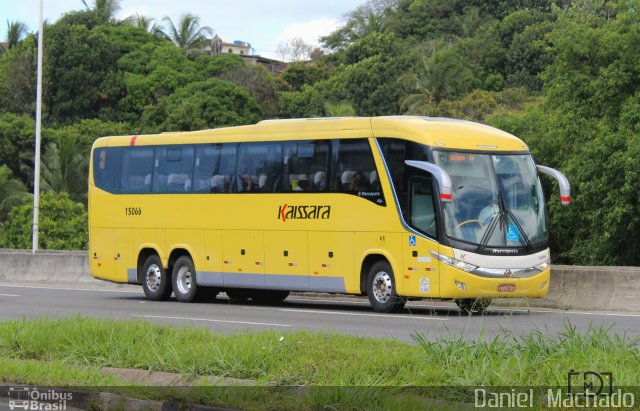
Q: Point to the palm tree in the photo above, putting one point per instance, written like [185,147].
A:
[16,30]
[188,35]
[145,23]
[105,10]
[436,78]
[340,109]
[64,169]
[11,192]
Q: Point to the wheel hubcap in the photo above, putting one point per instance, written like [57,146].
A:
[382,287]
[154,277]
[184,280]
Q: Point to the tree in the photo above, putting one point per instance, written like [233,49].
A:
[11,192]
[17,142]
[148,24]
[16,30]
[80,70]
[262,86]
[435,78]
[341,109]
[294,50]
[104,10]
[204,104]
[62,224]
[18,78]
[188,35]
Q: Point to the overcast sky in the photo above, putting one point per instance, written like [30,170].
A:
[262,23]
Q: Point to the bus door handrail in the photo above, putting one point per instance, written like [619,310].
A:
[563,182]
[442,177]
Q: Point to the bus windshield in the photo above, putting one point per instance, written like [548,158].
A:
[497,199]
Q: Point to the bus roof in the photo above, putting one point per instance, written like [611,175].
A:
[439,132]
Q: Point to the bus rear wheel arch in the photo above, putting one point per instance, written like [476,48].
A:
[156,283]
[381,288]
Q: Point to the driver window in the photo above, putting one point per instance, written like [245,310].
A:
[422,214]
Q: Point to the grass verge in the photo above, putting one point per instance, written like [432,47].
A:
[71,351]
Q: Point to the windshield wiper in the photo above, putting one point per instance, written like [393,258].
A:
[503,219]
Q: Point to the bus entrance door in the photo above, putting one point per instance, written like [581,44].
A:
[421,276]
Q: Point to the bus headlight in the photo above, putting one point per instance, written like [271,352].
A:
[461,265]
[543,266]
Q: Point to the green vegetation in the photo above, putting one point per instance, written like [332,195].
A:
[72,350]
[560,74]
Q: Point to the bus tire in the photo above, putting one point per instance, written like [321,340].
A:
[183,279]
[269,296]
[381,289]
[155,281]
[473,306]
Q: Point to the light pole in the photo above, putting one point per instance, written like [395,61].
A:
[36,178]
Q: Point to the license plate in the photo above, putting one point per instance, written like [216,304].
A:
[506,288]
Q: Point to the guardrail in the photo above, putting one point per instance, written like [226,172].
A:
[571,287]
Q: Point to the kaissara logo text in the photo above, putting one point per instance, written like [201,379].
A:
[304,212]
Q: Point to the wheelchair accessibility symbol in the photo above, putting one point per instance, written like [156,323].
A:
[412,241]
[512,233]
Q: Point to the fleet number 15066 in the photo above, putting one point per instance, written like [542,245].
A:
[133,211]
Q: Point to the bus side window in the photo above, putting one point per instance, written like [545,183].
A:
[259,167]
[356,171]
[306,164]
[107,166]
[224,174]
[207,156]
[173,169]
[137,169]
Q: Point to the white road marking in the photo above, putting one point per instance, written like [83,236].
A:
[377,315]
[211,320]
[37,287]
[10,295]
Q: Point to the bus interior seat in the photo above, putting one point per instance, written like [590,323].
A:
[320,181]
[217,183]
[262,182]
[345,179]
[178,182]
[374,183]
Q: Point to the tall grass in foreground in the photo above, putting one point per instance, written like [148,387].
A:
[321,359]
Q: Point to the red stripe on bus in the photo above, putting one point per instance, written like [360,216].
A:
[133,141]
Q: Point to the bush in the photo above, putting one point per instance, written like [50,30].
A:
[62,224]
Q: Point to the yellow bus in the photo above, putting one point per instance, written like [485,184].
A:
[394,208]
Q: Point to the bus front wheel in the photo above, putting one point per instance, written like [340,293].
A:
[381,289]
[183,279]
[155,281]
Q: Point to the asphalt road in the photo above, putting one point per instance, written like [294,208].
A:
[340,314]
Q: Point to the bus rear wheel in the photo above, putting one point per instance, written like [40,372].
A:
[155,281]
[473,305]
[381,289]
[183,279]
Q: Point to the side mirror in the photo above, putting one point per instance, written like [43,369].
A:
[442,177]
[563,182]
